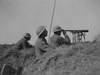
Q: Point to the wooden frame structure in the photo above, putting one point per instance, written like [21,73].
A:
[78,35]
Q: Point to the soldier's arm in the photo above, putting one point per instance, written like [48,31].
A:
[44,46]
[16,46]
[30,46]
[67,39]
[62,40]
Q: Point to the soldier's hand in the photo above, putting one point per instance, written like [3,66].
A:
[64,32]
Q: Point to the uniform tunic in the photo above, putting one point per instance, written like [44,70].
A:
[22,44]
[57,40]
[41,47]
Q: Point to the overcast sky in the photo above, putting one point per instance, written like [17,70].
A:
[20,16]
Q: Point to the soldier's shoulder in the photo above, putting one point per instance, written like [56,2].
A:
[60,37]
[21,40]
[38,40]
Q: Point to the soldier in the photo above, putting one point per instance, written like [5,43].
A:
[41,43]
[56,40]
[21,44]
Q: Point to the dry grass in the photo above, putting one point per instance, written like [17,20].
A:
[77,59]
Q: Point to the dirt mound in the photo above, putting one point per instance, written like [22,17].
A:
[78,59]
[18,58]
[96,38]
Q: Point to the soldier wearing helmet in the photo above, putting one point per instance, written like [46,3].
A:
[21,44]
[41,43]
[56,40]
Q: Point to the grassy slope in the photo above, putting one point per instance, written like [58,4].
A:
[17,58]
[78,59]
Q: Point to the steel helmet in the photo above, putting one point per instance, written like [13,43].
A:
[40,30]
[56,29]
[27,35]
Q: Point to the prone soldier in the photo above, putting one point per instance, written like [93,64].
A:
[21,44]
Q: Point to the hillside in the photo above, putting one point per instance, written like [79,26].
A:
[77,59]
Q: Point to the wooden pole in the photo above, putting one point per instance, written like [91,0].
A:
[51,21]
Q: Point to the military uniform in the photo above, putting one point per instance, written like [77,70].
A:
[41,47]
[22,44]
[57,40]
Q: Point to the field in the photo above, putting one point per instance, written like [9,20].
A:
[77,59]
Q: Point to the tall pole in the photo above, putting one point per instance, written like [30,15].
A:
[51,21]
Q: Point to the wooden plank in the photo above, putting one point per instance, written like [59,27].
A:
[6,69]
